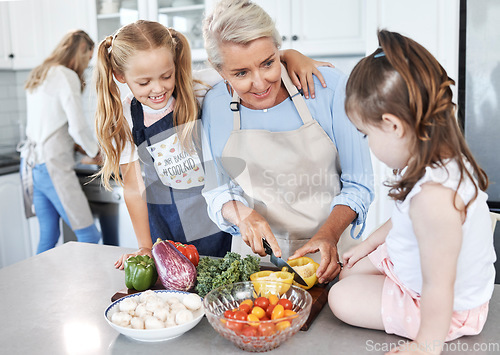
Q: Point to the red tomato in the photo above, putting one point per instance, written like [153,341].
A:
[234,326]
[287,304]
[249,331]
[266,329]
[265,318]
[240,315]
[262,302]
[269,310]
[228,314]
[245,307]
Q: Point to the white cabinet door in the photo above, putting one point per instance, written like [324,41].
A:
[319,27]
[61,16]
[325,27]
[15,242]
[31,29]
[5,46]
[26,37]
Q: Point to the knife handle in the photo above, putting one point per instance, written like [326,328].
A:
[267,247]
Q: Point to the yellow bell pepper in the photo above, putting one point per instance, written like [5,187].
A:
[305,267]
[263,288]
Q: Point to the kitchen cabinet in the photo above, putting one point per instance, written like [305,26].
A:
[15,242]
[184,15]
[21,40]
[30,29]
[320,27]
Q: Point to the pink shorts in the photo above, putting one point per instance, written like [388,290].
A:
[401,306]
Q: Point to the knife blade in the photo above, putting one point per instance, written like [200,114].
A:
[280,263]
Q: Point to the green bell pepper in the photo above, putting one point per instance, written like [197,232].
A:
[140,272]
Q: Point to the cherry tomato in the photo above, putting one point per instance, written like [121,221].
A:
[278,312]
[273,300]
[228,314]
[265,318]
[245,307]
[240,315]
[247,301]
[253,320]
[266,329]
[282,325]
[289,312]
[249,331]
[234,326]
[259,312]
[262,302]
[269,310]
[287,304]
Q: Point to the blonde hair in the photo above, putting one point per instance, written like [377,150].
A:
[66,53]
[113,55]
[236,21]
[402,78]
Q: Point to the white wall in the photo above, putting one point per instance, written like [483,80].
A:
[435,25]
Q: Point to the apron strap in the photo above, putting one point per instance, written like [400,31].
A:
[297,99]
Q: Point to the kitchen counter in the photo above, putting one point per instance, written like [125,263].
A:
[54,303]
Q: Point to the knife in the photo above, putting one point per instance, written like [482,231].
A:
[280,263]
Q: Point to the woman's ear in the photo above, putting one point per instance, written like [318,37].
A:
[119,77]
[392,123]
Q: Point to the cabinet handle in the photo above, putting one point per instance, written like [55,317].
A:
[283,38]
[295,37]
[11,56]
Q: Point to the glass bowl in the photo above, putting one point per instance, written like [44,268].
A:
[229,297]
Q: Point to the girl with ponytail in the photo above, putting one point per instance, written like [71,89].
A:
[154,132]
[427,274]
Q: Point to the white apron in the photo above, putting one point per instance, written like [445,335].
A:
[59,158]
[289,177]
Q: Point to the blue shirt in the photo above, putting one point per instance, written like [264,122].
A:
[327,108]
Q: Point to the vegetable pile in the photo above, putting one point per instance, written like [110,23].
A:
[213,273]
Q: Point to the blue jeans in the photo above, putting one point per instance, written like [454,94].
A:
[49,209]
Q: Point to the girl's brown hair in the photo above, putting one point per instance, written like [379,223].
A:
[66,53]
[113,55]
[402,78]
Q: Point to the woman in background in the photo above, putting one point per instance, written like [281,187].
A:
[55,122]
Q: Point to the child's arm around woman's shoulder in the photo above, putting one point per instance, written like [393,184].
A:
[437,215]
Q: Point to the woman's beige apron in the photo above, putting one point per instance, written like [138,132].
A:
[289,177]
[58,152]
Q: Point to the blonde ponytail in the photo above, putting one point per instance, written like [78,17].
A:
[113,131]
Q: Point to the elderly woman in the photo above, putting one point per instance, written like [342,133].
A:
[294,172]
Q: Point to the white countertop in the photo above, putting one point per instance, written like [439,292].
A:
[54,303]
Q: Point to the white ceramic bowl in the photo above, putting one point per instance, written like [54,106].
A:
[154,335]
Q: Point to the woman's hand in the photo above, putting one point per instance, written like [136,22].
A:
[253,228]
[329,266]
[301,70]
[120,263]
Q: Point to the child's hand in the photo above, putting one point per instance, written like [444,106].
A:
[353,255]
[411,348]
[301,70]
[120,263]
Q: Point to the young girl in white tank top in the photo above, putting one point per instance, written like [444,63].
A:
[427,274]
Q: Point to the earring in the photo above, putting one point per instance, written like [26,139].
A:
[225,82]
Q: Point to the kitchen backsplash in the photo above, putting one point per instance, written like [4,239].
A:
[12,108]
[13,100]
